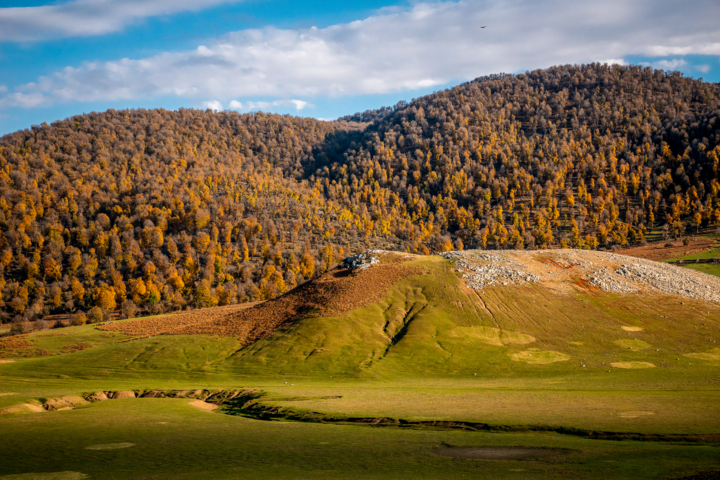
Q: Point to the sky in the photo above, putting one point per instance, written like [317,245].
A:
[318,58]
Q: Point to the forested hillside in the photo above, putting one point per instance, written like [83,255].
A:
[159,210]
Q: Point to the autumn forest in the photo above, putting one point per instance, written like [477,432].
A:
[140,212]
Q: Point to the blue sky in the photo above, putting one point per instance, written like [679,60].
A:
[317,58]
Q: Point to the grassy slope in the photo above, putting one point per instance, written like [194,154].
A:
[453,361]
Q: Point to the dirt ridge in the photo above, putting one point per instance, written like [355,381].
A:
[247,403]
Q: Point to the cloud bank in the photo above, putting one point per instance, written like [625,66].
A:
[81,18]
[397,49]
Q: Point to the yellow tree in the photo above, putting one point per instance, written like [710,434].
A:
[138,291]
[78,292]
[106,298]
[697,221]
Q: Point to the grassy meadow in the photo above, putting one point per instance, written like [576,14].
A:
[515,357]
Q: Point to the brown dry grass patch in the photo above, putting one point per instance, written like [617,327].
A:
[657,251]
[75,348]
[331,294]
[15,343]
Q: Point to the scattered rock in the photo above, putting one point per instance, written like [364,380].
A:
[361,261]
[606,271]
[487,269]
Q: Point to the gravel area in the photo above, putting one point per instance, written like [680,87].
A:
[607,271]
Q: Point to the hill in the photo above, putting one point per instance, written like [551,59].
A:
[458,314]
[467,354]
[158,211]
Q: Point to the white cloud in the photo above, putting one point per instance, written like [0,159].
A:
[3,89]
[702,68]
[213,105]
[697,49]
[80,18]
[614,61]
[673,64]
[397,49]
[249,106]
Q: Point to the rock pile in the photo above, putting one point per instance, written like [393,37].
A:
[671,279]
[563,268]
[361,261]
[368,258]
[605,278]
[486,269]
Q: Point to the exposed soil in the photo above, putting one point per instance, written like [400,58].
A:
[122,394]
[497,453]
[658,251]
[204,405]
[21,408]
[33,408]
[63,403]
[329,295]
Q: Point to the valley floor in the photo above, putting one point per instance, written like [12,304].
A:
[169,438]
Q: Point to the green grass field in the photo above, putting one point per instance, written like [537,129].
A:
[519,356]
[705,268]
